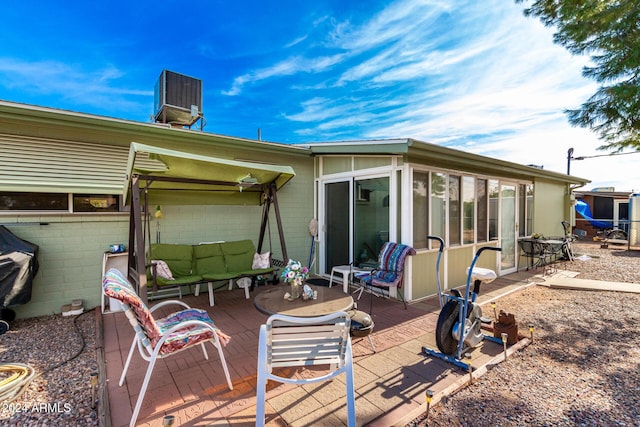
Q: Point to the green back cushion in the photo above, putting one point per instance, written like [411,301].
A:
[239,255]
[177,257]
[208,259]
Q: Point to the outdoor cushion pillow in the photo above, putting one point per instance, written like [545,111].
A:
[261,260]
[162,269]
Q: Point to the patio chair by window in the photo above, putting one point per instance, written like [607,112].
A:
[287,341]
[159,338]
[389,271]
[552,251]
[533,251]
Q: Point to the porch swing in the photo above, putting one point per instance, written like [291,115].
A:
[170,177]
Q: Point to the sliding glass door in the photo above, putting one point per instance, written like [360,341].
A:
[337,225]
[508,228]
[356,221]
[370,220]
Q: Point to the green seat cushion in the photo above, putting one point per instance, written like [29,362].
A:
[256,272]
[209,259]
[184,280]
[238,255]
[178,257]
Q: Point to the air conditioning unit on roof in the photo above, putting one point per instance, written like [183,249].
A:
[178,99]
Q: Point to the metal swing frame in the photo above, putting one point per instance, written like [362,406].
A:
[137,237]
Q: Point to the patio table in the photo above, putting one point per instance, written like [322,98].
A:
[540,252]
[347,272]
[272,301]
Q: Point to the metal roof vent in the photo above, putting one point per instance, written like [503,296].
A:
[178,99]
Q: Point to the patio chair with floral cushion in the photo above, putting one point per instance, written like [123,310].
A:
[159,338]
[388,273]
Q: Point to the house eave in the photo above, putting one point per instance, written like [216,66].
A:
[32,114]
[443,157]
[360,147]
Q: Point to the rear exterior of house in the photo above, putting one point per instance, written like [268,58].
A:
[63,185]
[368,192]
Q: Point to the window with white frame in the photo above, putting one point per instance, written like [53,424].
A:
[529,209]
[438,205]
[454,211]
[462,209]
[494,212]
[468,209]
[526,209]
[482,224]
[420,209]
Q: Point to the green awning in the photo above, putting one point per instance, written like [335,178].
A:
[180,178]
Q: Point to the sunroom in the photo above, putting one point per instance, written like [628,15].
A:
[403,190]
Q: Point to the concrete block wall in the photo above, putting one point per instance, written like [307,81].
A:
[72,247]
[70,257]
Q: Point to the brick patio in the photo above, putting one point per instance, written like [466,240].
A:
[390,384]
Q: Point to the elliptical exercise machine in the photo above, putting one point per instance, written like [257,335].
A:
[459,326]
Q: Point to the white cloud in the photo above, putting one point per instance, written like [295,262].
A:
[288,67]
[499,89]
[97,87]
[400,20]
[389,25]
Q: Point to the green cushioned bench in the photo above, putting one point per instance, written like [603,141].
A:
[204,263]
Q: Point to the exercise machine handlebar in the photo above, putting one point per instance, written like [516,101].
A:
[440,251]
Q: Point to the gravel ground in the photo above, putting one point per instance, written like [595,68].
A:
[62,352]
[583,368]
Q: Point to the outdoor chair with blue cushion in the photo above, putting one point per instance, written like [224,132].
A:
[287,341]
[389,271]
[159,338]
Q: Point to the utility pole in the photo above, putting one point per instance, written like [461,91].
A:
[570,157]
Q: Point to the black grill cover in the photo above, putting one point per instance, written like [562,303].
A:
[18,267]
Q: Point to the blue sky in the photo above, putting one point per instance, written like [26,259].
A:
[473,75]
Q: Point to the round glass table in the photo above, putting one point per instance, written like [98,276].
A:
[272,301]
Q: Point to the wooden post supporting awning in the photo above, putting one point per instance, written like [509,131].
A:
[159,176]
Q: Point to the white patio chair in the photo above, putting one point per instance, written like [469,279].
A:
[287,341]
[160,338]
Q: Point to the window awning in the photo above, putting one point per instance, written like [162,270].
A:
[179,178]
[48,165]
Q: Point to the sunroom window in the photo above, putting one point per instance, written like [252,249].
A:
[454,210]
[438,204]
[468,209]
[420,209]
